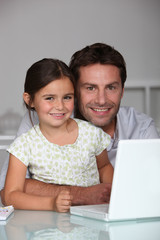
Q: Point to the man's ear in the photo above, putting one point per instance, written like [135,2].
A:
[27,99]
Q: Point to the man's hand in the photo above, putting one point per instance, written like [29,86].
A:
[96,194]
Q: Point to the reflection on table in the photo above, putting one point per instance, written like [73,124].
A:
[36,225]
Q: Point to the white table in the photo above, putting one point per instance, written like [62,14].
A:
[36,225]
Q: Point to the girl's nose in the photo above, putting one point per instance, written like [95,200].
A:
[59,105]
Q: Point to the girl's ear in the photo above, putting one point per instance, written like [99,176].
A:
[27,99]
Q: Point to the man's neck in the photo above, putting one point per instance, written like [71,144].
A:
[110,129]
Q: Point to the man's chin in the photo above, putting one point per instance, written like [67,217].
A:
[99,122]
[98,119]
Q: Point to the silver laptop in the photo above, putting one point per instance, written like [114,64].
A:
[136,184]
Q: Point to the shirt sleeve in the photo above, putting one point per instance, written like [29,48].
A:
[102,141]
[13,149]
[25,125]
[3,173]
[150,132]
[20,149]
[132,124]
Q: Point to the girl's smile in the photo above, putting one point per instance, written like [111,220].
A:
[57,115]
[54,103]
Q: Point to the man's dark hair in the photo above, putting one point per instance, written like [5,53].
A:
[98,53]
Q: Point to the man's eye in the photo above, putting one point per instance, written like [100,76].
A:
[111,87]
[90,88]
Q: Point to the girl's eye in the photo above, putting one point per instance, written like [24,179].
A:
[68,97]
[49,98]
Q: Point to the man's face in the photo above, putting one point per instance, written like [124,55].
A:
[99,92]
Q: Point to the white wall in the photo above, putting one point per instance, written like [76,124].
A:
[34,29]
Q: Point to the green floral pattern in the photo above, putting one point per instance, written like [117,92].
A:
[72,164]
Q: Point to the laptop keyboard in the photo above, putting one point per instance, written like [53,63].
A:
[99,208]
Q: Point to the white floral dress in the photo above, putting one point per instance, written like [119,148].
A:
[72,164]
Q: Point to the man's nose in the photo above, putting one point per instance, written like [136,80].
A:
[101,97]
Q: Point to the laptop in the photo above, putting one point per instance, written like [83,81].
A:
[135,190]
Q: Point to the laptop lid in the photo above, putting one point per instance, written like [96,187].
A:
[136,183]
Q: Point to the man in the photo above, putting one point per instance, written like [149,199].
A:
[100,74]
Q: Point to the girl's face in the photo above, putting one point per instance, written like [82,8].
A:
[54,103]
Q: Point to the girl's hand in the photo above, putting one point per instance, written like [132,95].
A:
[63,201]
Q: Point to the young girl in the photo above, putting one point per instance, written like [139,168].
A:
[58,150]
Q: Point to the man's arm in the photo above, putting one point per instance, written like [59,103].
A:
[81,195]
[150,131]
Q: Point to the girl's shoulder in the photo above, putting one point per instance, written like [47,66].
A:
[31,133]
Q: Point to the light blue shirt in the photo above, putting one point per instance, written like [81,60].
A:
[130,125]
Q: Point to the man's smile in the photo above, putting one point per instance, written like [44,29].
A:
[100,109]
